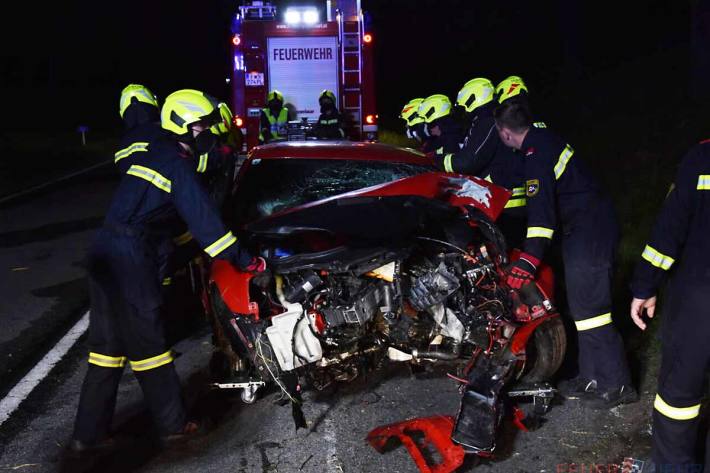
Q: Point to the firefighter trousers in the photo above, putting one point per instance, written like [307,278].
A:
[682,378]
[588,251]
[125,331]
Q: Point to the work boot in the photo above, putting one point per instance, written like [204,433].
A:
[190,430]
[578,387]
[611,397]
[80,449]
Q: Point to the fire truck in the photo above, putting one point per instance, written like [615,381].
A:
[301,51]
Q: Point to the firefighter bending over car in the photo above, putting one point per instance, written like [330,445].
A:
[126,325]
[445,134]
[679,240]
[274,118]
[330,125]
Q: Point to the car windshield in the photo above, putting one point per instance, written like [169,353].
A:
[273,185]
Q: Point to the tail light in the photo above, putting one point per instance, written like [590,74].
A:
[367,38]
[371,119]
[237,120]
[236,40]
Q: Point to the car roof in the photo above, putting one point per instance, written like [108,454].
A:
[350,150]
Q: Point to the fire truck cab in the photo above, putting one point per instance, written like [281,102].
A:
[300,52]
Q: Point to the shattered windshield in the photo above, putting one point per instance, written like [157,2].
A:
[273,185]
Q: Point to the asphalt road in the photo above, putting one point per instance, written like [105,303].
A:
[43,241]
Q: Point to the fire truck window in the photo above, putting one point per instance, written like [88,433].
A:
[274,185]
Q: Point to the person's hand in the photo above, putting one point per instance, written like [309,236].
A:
[522,271]
[637,308]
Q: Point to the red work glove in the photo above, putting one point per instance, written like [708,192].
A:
[257,265]
[522,271]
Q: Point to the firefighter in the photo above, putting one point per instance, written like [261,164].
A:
[563,197]
[274,118]
[330,125]
[511,86]
[138,106]
[483,155]
[444,132]
[125,321]
[679,240]
[414,122]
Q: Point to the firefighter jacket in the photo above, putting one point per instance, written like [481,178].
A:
[559,189]
[272,127]
[157,188]
[484,155]
[450,139]
[330,125]
[681,231]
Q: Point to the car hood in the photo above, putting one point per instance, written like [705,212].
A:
[394,209]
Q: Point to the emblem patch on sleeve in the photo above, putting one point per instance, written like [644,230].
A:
[532,187]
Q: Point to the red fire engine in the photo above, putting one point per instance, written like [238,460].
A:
[300,52]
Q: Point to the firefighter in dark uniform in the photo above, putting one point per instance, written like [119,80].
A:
[483,155]
[330,125]
[274,118]
[125,321]
[680,242]
[413,121]
[445,134]
[563,197]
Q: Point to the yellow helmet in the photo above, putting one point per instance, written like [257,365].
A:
[327,94]
[510,87]
[185,107]
[474,93]
[274,94]
[140,92]
[223,127]
[409,112]
[434,107]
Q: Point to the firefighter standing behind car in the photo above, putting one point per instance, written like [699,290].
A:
[330,125]
[680,241]
[562,196]
[483,155]
[125,321]
[274,118]
[444,132]
[413,121]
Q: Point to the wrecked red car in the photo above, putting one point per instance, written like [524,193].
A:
[373,255]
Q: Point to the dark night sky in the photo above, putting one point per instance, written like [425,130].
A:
[69,61]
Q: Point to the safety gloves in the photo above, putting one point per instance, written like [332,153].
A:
[522,271]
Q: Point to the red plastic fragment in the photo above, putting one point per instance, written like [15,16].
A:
[518,418]
[437,432]
[233,286]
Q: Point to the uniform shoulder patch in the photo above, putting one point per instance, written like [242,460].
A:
[532,187]
[530,151]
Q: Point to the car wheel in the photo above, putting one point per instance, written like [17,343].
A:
[545,351]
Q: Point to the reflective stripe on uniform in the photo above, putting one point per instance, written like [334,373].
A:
[657,258]
[704,182]
[677,413]
[167,281]
[182,239]
[154,362]
[564,158]
[202,164]
[155,178]
[540,232]
[107,361]
[133,148]
[518,198]
[539,125]
[331,121]
[593,322]
[220,245]
[448,167]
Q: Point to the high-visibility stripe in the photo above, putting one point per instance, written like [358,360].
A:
[564,158]
[133,148]
[518,191]
[220,245]
[183,239]
[448,166]
[167,281]
[202,164]
[152,363]
[677,413]
[155,178]
[513,203]
[106,361]
[704,182]
[657,258]
[540,232]
[540,125]
[593,322]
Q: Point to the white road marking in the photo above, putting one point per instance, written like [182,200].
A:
[23,389]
